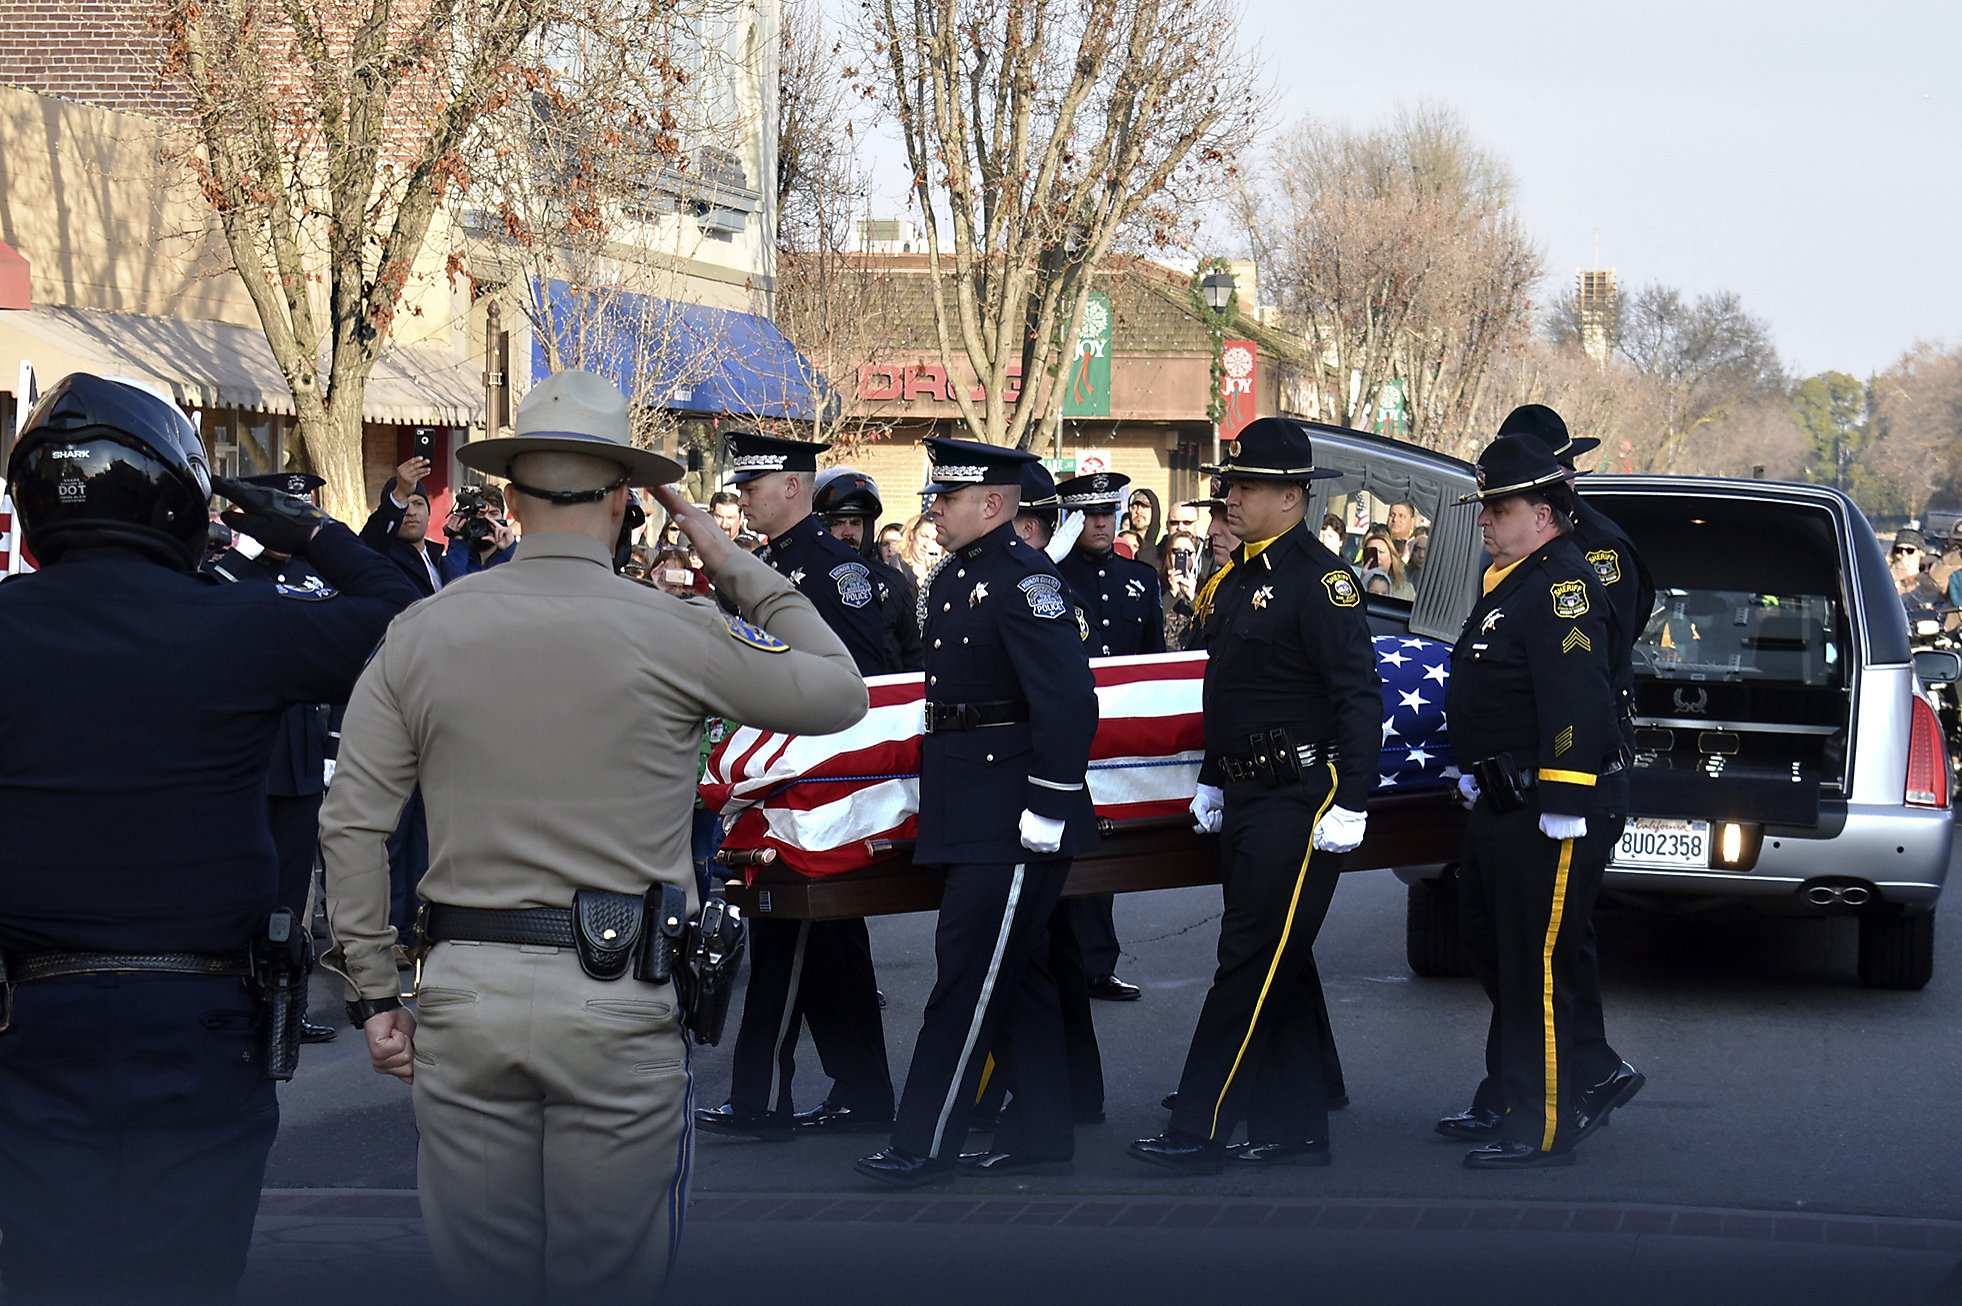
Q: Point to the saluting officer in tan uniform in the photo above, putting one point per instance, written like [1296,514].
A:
[551,712]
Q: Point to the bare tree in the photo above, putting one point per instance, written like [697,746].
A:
[1396,255]
[1916,452]
[1039,134]
[1709,355]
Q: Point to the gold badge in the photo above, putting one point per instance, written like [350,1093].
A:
[1569,598]
[1341,587]
[1261,595]
[1606,564]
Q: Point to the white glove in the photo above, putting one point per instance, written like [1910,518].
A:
[1340,831]
[1208,806]
[1468,792]
[1563,827]
[1040,834]
[327,770]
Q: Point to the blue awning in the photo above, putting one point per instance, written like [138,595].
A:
[685,357]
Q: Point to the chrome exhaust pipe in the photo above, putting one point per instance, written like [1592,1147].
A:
[1824,895]
[1855,895]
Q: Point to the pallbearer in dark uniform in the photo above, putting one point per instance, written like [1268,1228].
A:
[1608,1080]
[1293,723]
[297,776]
[847,500]
[136,1103]
[1011,709]
[1531,709]
[816,973]
[1121,602]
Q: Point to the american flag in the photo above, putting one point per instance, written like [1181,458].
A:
[817,799]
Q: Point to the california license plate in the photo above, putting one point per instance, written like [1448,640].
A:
[1657,841]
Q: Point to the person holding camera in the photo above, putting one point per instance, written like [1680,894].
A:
[398,528]
[479,535]
[551,1086]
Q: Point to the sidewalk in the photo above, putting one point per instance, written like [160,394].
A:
[951,1247]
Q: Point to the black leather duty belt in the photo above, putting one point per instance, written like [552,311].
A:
[24,967]
[944,717]
[1258,766]
[540,927]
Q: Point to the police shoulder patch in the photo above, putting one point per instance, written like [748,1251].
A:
[1341,587]
[305,593]
[1044,593]
[1569,598]
[755,636]
[1606,564]
[854,584]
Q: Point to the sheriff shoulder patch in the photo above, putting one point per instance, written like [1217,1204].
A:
[1569,598]
[754,636]
[1606,564]
[1341,587]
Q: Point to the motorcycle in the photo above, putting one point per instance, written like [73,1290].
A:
[1939,629]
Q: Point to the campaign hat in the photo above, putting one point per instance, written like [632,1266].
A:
[1270,449]
[572,412]
[1513,464]
[1039,489]
[1546,426]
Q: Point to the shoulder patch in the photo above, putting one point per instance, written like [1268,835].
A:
[1606,564]
[305,593]
[1341,587]
[1569,598]
[854,584]
[754,636]
[1044,593]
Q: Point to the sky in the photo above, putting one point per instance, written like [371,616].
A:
[1805,155]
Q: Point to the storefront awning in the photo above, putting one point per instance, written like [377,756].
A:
[684,357]
[224,365]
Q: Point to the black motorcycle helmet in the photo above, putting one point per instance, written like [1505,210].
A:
[101,462]
[847,492]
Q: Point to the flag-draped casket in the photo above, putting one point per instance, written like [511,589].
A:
[818,800]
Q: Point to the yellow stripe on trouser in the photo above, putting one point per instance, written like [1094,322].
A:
[1546,994]
[1287,927]
[987,1073]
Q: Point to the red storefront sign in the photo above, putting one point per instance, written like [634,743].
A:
[1239,362]
[912,382]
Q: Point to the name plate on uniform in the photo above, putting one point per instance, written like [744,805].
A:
[1658,841]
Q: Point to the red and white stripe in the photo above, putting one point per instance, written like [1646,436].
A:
[817,799]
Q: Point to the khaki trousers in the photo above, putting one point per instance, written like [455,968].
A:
[555,1118]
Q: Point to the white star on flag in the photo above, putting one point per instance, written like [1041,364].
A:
[1419,757]
[1437,673]
[1394,659]
[1389,729]
[1414,699]
[1386,782]
[1413,643]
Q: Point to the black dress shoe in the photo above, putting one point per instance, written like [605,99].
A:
[1474,1125]
[1595,1105]
[1176,1150]
[312,1031]
[1313,1152]
[901,1168]
[1000,1163]
[826,1118]
[1109,988]
[1508,1154]
[742,1122]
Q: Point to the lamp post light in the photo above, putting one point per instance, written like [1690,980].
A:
[1217,289]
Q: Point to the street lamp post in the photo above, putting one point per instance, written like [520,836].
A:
[1217,289]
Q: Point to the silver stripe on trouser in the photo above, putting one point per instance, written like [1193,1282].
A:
[980,1009]
[784,1027]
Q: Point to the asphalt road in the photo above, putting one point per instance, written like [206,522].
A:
[1776,1083]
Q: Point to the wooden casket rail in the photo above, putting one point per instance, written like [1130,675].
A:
[1405,829]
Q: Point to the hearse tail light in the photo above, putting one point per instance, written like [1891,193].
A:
[1730,844]
[1927,768]
[1736,845]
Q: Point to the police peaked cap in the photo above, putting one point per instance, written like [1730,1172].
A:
[287,482]
[1039,489]
[1094,491]
[957,464]
[1546,426]
[1513,464]
[1270,449]
[752,453]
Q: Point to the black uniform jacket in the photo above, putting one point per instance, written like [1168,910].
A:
[1000,629]
[1120,601]
[1530,676]
[301,745]
[1288,646]
[901,601]
[840,585]
[133,739]
[1631,593]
